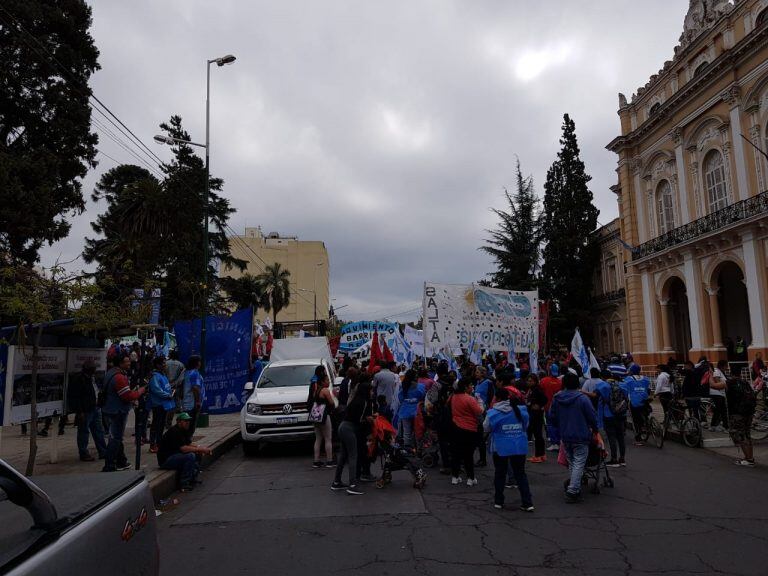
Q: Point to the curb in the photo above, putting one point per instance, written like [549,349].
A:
[164,484]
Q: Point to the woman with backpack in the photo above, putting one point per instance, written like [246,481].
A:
[536,400]
[741,400]
[613,404]
[507,424]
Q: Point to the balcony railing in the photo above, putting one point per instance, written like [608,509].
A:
[612,296]
[736,212]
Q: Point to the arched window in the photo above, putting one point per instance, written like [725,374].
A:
[700,68]
[761,19]
[714,178]
[664,207]
[655,108]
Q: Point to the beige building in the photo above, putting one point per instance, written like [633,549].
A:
[692,189]
[609,303]
[307,260]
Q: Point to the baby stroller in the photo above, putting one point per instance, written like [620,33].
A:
[596,466]
[427,447]
[393,457]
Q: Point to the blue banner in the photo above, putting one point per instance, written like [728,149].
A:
[3,371]
[356,334]
[228,357]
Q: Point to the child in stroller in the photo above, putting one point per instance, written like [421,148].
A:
[393,457]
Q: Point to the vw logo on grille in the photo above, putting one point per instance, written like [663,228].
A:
[287,409]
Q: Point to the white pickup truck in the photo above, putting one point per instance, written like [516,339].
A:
[277,409]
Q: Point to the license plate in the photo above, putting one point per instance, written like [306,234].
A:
[287,419]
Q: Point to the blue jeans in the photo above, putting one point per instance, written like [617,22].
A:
[406,431]
[184,464]
[91,422]
[577,460]
[115,455]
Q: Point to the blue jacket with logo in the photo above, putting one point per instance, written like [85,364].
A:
[509,434]
[637,387]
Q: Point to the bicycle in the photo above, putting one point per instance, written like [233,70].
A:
[689,428]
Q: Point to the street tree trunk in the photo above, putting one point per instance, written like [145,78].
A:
[33,402]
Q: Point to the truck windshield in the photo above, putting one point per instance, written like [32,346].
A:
[282,376]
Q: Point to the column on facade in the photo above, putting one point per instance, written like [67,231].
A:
[754,275]
[682,180]
[666,341]
[732,97]
[648,300]
[754,135]
[637,185]
[714,313]
[692,283]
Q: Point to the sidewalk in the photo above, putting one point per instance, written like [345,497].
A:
[223,431]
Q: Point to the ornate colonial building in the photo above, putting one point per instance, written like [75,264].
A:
[609,295]
[692,189]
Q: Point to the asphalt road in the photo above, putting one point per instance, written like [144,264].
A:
[675,511]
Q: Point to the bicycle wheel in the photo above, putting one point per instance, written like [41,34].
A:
[691,432]
[759,429]
[655,429]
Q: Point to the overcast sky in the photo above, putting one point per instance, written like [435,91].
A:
[385,129]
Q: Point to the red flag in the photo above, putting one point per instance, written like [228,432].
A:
[373,363]
[388,357]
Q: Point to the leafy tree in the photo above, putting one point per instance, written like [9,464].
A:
[152,229]
[47,57]
[515,244]
[244,291]
[568,220]
[276,284]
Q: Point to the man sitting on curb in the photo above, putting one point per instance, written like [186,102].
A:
[175,452]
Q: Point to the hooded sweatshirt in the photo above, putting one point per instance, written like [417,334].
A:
[574,416]
[509,436]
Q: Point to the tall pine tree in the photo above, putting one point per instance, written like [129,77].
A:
[569,258]
[515,244]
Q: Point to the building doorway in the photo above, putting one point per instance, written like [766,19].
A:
[733,304]
[679,317]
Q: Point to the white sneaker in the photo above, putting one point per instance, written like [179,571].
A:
[743,462]
[456,480]
[553,448]
[471,481]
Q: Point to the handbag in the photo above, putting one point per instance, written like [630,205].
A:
[317,414]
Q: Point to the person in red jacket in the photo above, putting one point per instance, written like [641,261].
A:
[465,414]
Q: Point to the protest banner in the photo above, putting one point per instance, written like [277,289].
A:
[228,357]
[355,334]
[51,378]
[458,315]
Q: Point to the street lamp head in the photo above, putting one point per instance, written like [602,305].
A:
[161,139]
[228,59]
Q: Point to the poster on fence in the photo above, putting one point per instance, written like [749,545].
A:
[355,334]
[228,357]
[51,377]
[463,315]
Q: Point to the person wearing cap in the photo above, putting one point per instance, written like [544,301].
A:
[176,452]
[551,385]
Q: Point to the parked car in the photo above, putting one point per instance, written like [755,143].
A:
[77,524]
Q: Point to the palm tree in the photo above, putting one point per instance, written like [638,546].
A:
[244,291]
[276,288]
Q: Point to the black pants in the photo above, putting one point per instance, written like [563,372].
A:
[536,428]
[159,419]
[348,457]
[639,420]
[463,444]
[482,448]
[444,444]
[363,460]
[615,429]
[502,464]
[194,413]
[719,412]
[666,400]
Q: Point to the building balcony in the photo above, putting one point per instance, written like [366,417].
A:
[738,212]
[608,297]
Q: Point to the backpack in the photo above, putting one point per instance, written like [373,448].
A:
[618,401]
[741,397]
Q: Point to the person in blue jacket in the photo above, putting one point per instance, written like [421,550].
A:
[638,387]
[507,425]
[161,400]
[615,425]
[411,393]
[575,417]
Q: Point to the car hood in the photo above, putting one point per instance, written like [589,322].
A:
[285,395]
